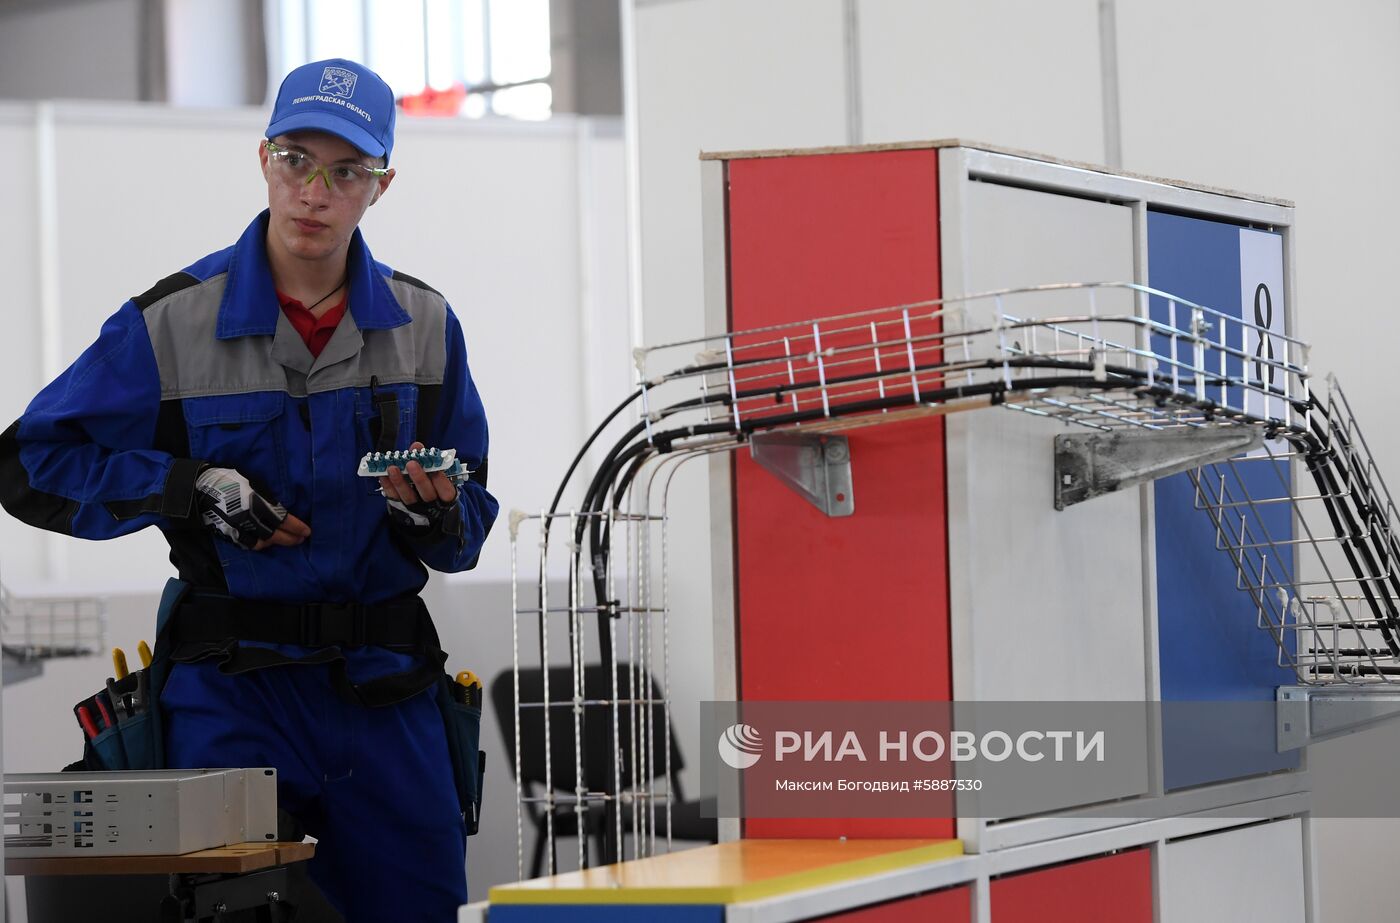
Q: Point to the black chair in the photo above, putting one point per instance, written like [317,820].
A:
[598,774]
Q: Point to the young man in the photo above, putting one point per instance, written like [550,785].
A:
[229,406]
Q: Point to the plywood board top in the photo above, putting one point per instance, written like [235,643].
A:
[234,859]
[993,149]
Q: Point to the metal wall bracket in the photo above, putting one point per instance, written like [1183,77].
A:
[1088,466]
[817,466]
[1308,714]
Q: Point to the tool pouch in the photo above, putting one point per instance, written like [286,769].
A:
[135,742]
[129,744]
[461,714]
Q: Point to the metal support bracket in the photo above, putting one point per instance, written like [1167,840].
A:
[216,897]
[1088,466]
[1308,714]
[817,466]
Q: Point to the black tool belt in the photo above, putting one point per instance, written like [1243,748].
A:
[206,625]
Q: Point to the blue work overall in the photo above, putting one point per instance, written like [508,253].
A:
[205,369]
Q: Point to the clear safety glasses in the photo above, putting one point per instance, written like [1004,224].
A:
[344,178]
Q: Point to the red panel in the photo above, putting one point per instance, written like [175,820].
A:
[951,906]
[856,607]
[1113,889]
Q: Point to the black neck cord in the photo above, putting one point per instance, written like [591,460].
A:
[337,288]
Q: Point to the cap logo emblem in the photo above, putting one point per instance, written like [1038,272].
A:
[337,81]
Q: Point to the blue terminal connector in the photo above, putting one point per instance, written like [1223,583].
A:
[377,464]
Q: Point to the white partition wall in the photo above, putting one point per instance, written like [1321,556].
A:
[23,314]
[1023,74]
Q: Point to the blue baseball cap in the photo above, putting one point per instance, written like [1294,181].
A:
[340,97]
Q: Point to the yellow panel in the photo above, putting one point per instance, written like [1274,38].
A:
[744,870]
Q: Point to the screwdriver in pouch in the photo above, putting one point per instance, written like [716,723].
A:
[471,689]
[85,719]
[107,719]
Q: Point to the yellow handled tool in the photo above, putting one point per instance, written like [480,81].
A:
[468,689]
[144,651]
[119,663]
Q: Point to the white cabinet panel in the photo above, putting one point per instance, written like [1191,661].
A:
[1047,606]
[1056,597]
[1253,874]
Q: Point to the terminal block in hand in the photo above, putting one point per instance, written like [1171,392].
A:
[377,464]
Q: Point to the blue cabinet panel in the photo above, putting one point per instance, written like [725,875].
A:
[1211,647]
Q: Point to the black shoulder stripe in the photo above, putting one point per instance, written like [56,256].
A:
[416,283]
[172,435]
[164,289]
[21,500]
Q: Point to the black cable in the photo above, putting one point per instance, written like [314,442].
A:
[612,849]
[545,525]
[592,502]
[1322,460]
[563,484]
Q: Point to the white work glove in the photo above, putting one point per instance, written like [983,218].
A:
[231,507]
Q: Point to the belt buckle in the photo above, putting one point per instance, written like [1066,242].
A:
[344,622]
[310,625]
[334,623]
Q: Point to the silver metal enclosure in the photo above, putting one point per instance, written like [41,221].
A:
[146,813]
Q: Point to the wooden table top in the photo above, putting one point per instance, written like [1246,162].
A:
[235,859]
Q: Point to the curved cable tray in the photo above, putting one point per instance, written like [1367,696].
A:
[1111,357]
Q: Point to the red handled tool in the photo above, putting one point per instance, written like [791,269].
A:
[107,719]
[85,719]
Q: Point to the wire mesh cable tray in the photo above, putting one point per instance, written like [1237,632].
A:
[41,628]
[1105,357]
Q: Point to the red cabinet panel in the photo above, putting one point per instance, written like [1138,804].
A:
[1110,889]
[855,607]
[951,906]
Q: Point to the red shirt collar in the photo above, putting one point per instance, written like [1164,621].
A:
[315,331]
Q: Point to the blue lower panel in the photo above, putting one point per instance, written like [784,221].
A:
[1212,651]
[606,913]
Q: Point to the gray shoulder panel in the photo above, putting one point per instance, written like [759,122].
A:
[425,339]
[192,360]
